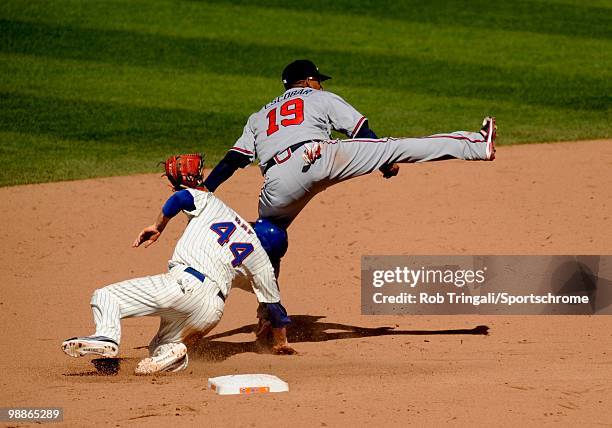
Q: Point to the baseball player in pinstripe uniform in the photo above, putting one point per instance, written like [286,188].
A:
[216,247]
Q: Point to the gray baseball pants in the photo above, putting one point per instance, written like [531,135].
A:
[290,185]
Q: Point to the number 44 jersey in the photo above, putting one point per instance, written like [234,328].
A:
[220,244]
[300,114]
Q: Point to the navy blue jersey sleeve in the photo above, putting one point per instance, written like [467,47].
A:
[225,169]
[181,200]
[278,315]
[365,132]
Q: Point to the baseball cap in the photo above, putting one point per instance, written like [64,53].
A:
[300,70]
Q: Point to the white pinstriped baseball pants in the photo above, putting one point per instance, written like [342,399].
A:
[184,304]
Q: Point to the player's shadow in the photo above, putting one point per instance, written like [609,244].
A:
[305,328]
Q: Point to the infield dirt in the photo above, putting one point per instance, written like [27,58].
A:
[61,241]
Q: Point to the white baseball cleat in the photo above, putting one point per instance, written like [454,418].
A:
[95,345]
[489,132]
[180,365]
[171,357]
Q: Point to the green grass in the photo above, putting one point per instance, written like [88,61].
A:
[112,87]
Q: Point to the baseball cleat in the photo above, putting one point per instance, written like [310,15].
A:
[179,365]
[171,357]
[94,345]
[489,132]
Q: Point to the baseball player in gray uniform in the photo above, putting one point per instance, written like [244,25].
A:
[217,247]
[291,136]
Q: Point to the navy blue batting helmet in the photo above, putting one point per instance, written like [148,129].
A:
[272,237]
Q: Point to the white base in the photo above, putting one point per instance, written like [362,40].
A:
[247,384]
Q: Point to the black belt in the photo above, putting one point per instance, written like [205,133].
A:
[290,149]
[201,277]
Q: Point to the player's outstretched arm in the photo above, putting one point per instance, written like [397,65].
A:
[181,200]
[225,169]
[150,234]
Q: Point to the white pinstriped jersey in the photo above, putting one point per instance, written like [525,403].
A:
[300,114]
[220,244]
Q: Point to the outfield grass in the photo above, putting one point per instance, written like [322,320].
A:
[112,87]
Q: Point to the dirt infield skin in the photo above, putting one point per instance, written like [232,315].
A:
[60,241]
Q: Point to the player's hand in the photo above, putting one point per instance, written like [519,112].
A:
[148,236]
[311,153]
[283,350]
[280,344]
[389,170]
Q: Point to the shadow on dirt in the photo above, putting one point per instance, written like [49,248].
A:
[305,328]
[103,366]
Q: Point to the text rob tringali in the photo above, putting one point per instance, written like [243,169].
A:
[500,298]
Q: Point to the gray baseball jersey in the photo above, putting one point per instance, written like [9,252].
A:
[299,114]
[218,243]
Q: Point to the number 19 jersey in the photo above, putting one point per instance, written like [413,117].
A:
[300,114]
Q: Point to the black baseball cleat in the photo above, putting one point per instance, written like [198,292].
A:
[489,132]
[94,345]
